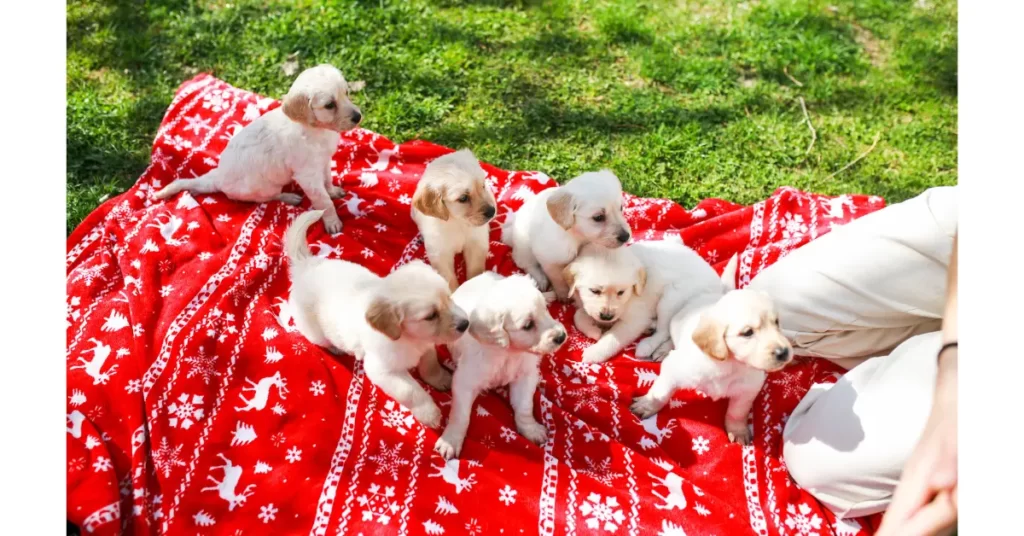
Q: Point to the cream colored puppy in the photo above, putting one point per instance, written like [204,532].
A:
[296,141]
[547,232]
[617,291]
[452,207]
[510,329]
[724,345]
[391,323]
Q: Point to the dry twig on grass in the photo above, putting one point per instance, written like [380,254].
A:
[785,71]
[814,133]
[858,159]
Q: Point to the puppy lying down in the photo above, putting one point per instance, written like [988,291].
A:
[452,208]
[725,341]
[510,329]
[547,232]
[296,141]
[617,291]
[391,323]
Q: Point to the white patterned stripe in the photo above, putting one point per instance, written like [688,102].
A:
[199,300]
[239,282]
[96,232]
[634,497]
[371,407]
[414,473]
[747,256]
[773,230]
[207,424]
[326,503]
[110,512]
[549,483]
[570,502]
[407,253]
[757,520]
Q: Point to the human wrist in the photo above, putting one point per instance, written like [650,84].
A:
[946,381]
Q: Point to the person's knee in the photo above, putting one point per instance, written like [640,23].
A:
[834,481]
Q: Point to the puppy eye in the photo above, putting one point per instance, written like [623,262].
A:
[595,291]
[776,322]
[621,292]
[432,316]
[749,332]
[330,105]
[528,325]
[599,218]
[464,198]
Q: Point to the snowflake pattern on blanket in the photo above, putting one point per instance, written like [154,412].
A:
[194,406]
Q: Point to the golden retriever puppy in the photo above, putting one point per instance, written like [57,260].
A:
[549,229]
[510,329]
[452,208]
[296,141]
[617,291]
[724,346]
[391,323]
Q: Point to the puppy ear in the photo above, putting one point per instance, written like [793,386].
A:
[383,316]
[488,327]
[641,281]
[709,336]
[297,106]
[430,201]
[569,274]
[561,206]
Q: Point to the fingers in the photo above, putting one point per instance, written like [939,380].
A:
[934,518]
[911,494]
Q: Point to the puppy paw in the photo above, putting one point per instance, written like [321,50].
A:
[594,354]
[333,225]
[534,431]
[448,447]
[428,414]
[661,352]
[290,199]
[646,347]
[441,380]
[549,296]
[335,192]
[738,433]
[645,406]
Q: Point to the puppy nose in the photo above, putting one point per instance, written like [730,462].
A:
[623,236]
[560,338]
[781,353]
[356,117]
[607,316]
[462,325]
[489,211]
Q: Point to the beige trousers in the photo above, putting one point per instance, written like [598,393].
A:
[869,296]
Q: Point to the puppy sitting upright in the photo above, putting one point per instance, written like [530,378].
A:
[547,232]
[511,329]
[296,141]
[452,207]
[391,323]
[617,291]
[724,346]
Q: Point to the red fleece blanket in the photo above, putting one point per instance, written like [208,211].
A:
[194,406]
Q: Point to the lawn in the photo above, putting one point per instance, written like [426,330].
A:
[684,100]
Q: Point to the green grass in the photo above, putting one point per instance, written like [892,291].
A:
[683,100]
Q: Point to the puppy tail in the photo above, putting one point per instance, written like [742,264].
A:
[203,185]
[295,245]
[729,272]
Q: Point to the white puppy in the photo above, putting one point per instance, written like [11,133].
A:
[617,291]
[296,141]
[511,329]
[724,344]
[547,232]
[391,323]
[452,207]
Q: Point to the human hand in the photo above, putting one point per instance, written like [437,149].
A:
[925,500]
